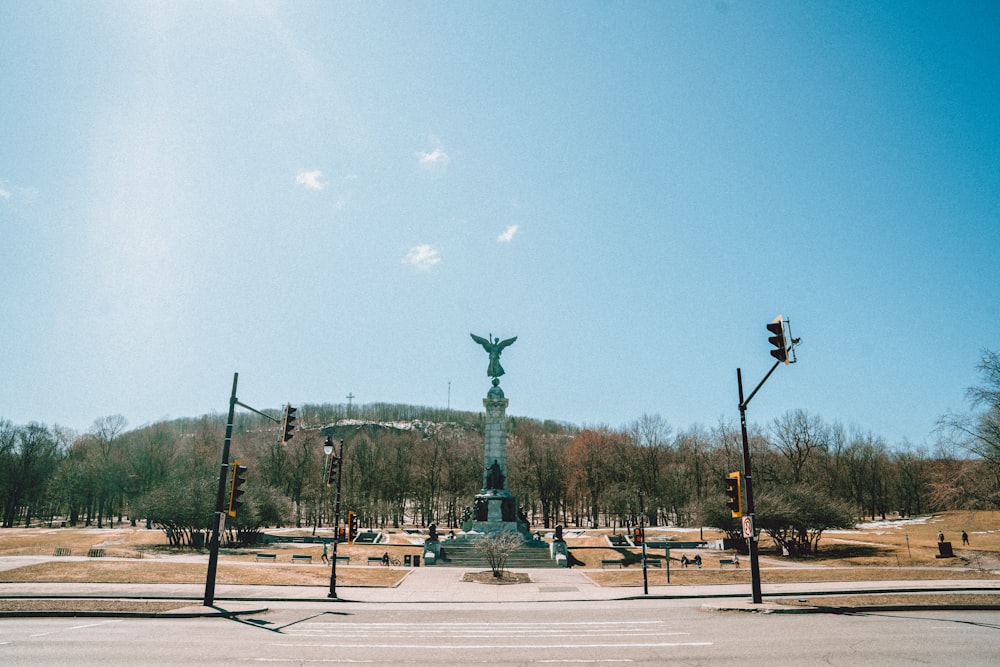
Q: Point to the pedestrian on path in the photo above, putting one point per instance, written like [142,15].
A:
[325,558]
[965,538]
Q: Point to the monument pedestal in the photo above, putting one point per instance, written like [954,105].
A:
[495,512]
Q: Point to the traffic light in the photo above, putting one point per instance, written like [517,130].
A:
[352,526]
[334,464]
[288,425]
[734,494]
[637,535]
[777,327]
[239,478]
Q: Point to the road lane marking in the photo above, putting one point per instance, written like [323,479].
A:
[491,623]
[491,647]
[75,627]
[471,635]
[302,661]
[345,661]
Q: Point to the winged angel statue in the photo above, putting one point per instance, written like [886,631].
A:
[494,349]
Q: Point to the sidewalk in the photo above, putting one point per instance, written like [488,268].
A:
[445,585]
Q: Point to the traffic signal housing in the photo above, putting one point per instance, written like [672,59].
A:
[352,526]
[239,478]
[778,340]
[334,465]
[288,424]
[734,493]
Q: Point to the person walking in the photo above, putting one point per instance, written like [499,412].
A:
[965,538]
[325,558]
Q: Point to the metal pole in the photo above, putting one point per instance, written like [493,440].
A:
[748,482]
[642,535]
[336,524]
[220,499]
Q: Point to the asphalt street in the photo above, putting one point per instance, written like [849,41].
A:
[434,618]
[625,632]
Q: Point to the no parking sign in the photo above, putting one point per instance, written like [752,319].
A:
[748,527]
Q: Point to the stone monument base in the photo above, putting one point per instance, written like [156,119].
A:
[495,511]
[490,527]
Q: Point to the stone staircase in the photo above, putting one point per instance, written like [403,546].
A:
[461,552]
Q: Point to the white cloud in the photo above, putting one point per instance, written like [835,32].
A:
[508,234]
[433,160]
[423,257]
[310,179]
[17,193]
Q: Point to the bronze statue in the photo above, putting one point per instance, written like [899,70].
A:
[494,476]
[494,349]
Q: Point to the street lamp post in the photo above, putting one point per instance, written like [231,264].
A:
[335,460]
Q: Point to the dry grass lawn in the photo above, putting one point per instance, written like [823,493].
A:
[151,572]
[892,550]
[18,607]
[879,551]
[909,599]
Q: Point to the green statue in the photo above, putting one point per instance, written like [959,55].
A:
[494,349]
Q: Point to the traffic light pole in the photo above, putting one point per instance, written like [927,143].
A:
[642,532]
[220,499]
[336,524]
[748,482]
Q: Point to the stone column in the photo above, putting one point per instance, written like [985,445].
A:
[495,450]
[494,508]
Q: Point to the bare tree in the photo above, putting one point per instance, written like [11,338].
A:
[799,437]
[979,432]
[497,548]
[27,459]
[109,466]
[651,439]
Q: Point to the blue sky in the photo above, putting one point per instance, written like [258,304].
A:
[328,198]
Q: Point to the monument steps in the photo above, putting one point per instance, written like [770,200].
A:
[462,553]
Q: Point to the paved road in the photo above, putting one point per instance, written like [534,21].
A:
[559,618]
[625,632]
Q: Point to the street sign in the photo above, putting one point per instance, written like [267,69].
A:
[747,527]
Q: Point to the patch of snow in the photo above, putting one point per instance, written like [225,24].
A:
[893,524]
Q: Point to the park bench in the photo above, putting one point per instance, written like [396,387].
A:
[344,559]
[302,558]
[374,560]
[63,551]
[728,561]
[612,561]
[654,562]
[95,553]
[268,557]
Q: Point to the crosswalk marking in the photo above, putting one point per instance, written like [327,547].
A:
[485,635]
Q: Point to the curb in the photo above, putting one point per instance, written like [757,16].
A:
[792,609]
[180,612]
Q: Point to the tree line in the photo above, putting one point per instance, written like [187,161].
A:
[408,465]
